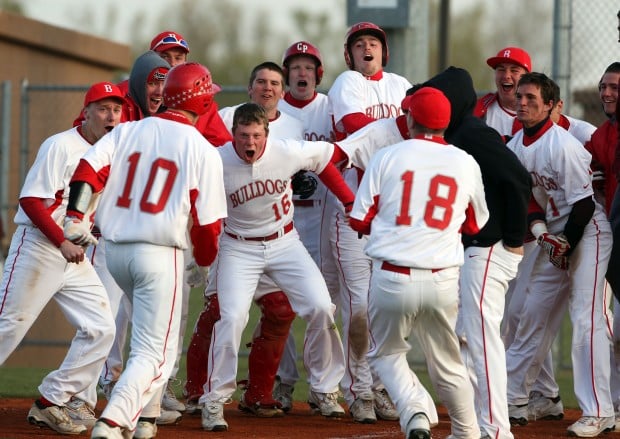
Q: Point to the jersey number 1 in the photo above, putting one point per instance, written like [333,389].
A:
[171,170]
[437,202]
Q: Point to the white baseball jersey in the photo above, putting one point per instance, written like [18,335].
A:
[559,166]
[158,211]
[51,172]
[364,143]
[36,272]
[428,187]
[259,194]
[353,93]
[500,118]
[284,126]
[314,116]
[581,129]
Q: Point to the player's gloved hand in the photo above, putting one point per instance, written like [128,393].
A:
[554,245]
[196,275]
[304,184]
[78,231]
[561,262]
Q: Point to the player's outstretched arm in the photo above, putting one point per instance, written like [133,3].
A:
[336,184]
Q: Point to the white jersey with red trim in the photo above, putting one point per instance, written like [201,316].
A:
[314,116]
[560,170]
[378,99]
[259,195]
[500,118]
[581,129]
[50,174]
[423,191]
[284,126]
[157,211]
[365,142]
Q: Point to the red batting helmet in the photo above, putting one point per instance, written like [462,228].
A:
[306,49]
[189,87]
[365,28]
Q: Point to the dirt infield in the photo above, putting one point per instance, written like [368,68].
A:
[300,423]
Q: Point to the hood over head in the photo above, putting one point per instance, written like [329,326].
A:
[142,68]
[456,83]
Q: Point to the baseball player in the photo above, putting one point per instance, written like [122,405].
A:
[173,47]
[266,87]
[359,96]
[259,238]
[544,399]
[416,196]
[43,265]
[602,145]
[499,109]
[144,98]
[574,235]
[149,181]
[492,256]
[303,70]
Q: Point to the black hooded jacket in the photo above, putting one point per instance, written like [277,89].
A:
[507,184]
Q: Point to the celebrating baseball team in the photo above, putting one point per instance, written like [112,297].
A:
[377,211]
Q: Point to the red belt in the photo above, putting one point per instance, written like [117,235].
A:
[399,269]
[287,228]
[306,203]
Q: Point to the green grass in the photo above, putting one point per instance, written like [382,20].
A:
[23,381]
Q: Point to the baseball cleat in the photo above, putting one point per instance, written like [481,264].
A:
[363,411]
[169,400]
[326,404]
[284,394]
[419,427]
[54,417]
[213,417]
[169,417]
[591,426]
[80,412]
[517,414]
[145,430]
[384,407]
[541,407]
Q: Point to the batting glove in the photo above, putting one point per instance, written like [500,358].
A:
[196,275]
[554,245]
[561,262]
[78,232]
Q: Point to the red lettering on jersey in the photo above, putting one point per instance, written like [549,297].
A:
[256,189]
[548,183]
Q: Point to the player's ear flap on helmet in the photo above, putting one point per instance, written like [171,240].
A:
[189,87]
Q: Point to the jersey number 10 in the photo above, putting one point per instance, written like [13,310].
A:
[171,170]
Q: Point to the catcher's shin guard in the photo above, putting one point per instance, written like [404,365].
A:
[198,349]
[267,347]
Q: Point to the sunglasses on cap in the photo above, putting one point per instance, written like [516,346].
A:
[171,39]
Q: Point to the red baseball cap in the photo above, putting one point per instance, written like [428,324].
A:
[429,107]
[168,40]
[103,90]
[513,55]
[157,74]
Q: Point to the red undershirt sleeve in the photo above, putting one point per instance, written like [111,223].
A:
[40,217]
[336,184]
[354,121]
